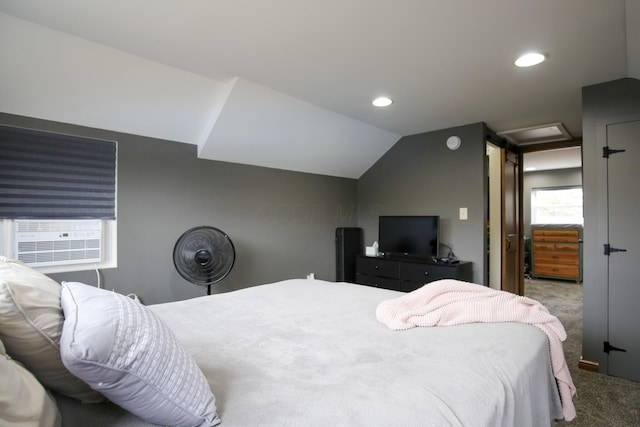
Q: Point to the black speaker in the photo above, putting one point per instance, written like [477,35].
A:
[349,243]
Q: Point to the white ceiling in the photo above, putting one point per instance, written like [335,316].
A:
[288,84]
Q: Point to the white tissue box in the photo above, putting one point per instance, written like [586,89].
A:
[371,251]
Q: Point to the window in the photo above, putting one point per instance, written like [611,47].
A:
[559,205]
[57,200]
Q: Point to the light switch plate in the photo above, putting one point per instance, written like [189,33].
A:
[463,214]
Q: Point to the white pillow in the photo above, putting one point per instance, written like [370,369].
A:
[30,327]
[23,400]
[123,350]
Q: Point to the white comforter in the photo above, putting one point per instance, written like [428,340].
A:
[311,353]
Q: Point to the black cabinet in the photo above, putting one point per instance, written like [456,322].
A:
[407,275]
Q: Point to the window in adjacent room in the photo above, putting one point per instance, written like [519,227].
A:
[57,200]
[558,205]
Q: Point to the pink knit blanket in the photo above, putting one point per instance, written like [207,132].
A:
[452,302]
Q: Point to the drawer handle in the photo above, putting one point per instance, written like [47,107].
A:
[377,267]
[426,273]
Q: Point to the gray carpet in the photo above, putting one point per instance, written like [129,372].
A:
[601,400]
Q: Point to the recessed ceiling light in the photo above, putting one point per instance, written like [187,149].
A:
[530,59]
[382,101]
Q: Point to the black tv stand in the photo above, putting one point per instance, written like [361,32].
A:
[406,274]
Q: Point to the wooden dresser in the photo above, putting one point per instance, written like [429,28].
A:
[557,252]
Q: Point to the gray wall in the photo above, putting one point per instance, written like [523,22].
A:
[546,179]
[601,104]
[420,176]
[282,223]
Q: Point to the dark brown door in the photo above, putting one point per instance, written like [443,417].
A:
[512,256]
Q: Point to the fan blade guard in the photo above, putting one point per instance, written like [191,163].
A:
[204,255]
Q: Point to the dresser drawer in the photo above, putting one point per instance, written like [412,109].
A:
[568,247]
[378,282]
[558,257]
[424,273]
[561,247]
[557,270]
[378,267]
[543,235]
[544,247]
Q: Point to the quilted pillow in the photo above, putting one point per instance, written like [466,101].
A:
[23,400]
[123,350]
[30,327]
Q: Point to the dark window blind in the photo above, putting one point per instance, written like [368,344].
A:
[50,175]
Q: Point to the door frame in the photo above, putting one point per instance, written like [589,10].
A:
[531,148]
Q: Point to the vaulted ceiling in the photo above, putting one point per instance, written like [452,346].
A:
[288,84]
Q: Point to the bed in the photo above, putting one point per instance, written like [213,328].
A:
[312,353]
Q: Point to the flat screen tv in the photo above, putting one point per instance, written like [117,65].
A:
[409,236]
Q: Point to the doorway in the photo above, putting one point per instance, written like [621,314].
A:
[558,164]
[552,194]
[504,219]
[552,178]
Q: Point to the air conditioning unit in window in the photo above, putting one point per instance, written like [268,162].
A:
[40,243]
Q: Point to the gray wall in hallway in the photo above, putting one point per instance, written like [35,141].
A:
[546,179]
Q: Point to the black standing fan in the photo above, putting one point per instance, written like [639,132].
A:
[204,255]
